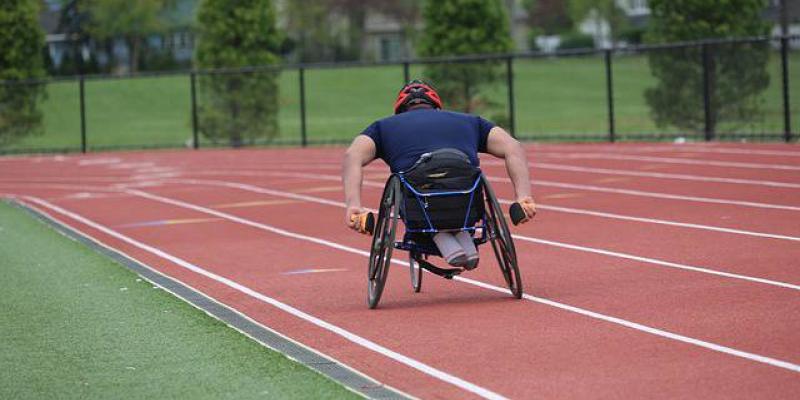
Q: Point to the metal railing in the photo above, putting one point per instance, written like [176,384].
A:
[574,95]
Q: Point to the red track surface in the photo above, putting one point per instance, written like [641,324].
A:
[696,296]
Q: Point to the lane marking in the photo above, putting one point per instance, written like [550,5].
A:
[254,204]
[657,195]
[673,148]
[699,178]
[629,192]
[99,161]
[352,337]
[594,250]
[565,167]
[615,216]
[313,271]
[165,222]
[656,261]
[669,160]
[662,222]
[619,321]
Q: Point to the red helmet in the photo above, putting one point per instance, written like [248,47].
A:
[416,92]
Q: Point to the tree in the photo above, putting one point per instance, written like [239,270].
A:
[131,20]
[238,106]
[21,42]
[464,27]
[737,72]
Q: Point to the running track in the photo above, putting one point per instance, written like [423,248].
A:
[652,270]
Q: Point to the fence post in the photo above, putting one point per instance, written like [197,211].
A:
[83,114]
[510,83]
[610,97]
[303,138]
[195,139]
[707,76]
[787,120]
[406,73]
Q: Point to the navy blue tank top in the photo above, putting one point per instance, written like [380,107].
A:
[401,139]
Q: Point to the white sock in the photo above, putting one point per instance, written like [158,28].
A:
[466,243]
[449,247]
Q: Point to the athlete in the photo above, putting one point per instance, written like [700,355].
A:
[420,126]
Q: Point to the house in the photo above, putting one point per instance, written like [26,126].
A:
[68,45]
[636,11]
[389,39]
[773,13]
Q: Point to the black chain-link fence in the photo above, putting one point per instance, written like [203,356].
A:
[742,89]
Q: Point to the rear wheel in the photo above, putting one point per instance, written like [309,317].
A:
[502,243]
[380,255]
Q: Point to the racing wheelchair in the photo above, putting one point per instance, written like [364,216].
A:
[441,192]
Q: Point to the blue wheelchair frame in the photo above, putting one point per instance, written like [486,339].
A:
[419,249]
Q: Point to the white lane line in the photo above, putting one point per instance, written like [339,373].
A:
[572,168]
[352,337]
[657,195]
[375,184]
[594,188]
[657,262]
[257,189]
[610,171]
[99,161]
[644,328]
[682,148]
[571,210]
[260,189]
[670,160]
[378,185]
[664,222]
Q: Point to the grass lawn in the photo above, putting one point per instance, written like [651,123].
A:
[554,96]
[75,324]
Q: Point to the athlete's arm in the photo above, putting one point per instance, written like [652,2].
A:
[360,153]
[501,145]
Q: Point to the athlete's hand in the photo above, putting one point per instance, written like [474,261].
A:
[353,217]
[529,206]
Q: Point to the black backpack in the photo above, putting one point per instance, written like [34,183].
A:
[440,171]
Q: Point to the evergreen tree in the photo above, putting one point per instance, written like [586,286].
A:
[737,72]
[234,106]
[21,45]
[464,27]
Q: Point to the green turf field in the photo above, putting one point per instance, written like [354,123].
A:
[554,96]
[75,324]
